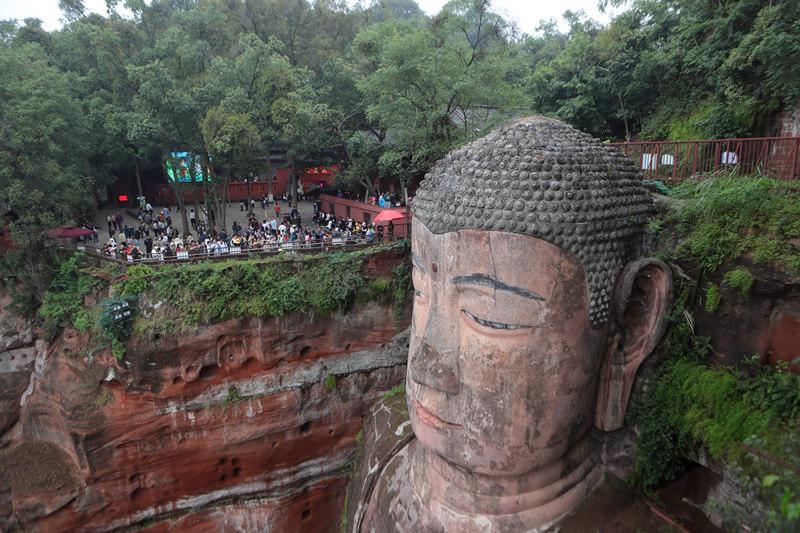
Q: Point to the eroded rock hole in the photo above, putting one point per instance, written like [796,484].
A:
[177,380]
[223,477]
[346,347]
[208,372]
[305,514]
[305,350]
[250,363]
[137,492]
[235,461]
[305,426]
[236,472]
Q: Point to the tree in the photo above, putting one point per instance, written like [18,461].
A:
[44,174]
[231,140]
[308,129]
[434,87]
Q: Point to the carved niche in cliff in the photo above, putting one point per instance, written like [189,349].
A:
[534,308]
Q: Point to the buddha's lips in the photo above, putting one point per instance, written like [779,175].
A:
[430,419]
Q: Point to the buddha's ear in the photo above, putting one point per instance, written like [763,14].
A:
[641,303]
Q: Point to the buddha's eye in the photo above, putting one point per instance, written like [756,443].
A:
[491,324]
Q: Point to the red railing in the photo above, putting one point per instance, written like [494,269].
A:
[778,157]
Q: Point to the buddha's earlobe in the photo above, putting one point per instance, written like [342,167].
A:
[642,301]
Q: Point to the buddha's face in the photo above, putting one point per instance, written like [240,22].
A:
[503,363]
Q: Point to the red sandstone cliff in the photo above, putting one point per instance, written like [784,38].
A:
[237,427]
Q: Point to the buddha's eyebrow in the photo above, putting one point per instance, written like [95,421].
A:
[494,283]
[418,262]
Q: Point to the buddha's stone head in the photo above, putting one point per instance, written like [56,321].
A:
[534,305]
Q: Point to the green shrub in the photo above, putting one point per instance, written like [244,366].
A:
[380,286]
[64,299]
[740,279]
[713,297]
[394,391]
[723,217]
[138,280]
[765,250]
[118,350]
[330,382]
[232,397]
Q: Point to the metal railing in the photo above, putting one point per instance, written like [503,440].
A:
[228,252]
[778,157]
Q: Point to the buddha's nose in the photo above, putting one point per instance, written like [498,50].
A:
[434,369]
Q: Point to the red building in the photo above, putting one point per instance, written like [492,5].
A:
[158,192]
[360,212]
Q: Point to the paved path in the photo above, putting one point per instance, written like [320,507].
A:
[306,209]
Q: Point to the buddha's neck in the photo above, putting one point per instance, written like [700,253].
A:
[542,495]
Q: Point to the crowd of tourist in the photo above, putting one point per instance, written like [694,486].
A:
[154,236]
[386,200]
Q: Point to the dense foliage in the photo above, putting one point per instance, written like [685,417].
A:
[203,293]
[724,217]
[207,292]
[64,302]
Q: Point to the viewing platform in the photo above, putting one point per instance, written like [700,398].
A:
[364,212]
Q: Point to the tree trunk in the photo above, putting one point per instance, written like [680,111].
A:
[184,218]
[223,206]
[269,177]
[138,177]
[249,193]
[293,182]
[197,203]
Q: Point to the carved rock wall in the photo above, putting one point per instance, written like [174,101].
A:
[235,427]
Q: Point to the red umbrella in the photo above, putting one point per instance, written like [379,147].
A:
[389,214]
[68,233]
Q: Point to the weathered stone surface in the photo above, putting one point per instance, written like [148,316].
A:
[387,429]
[18,351]
[243,424]
[764,322]
[15,331]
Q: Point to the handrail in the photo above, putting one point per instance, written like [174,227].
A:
[677,160]
[731,139]
[335,244]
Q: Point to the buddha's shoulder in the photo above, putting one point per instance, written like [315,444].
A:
[381,454]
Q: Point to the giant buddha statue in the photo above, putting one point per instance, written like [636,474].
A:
[534,307]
